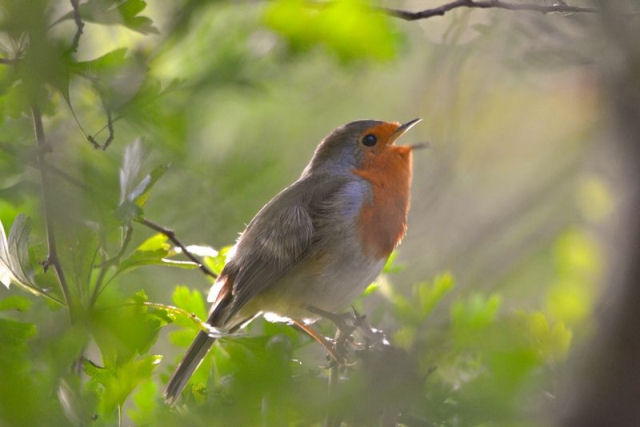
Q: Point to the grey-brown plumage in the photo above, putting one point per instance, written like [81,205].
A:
[302,248]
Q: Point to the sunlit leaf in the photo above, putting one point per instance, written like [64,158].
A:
[390,266]
[350,28]
[216,263]
[190,300]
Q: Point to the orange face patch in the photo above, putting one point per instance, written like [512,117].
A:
[385,134]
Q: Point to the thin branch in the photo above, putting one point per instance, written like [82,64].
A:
[79,25]
[52,258]
[67,177]
[8,61]
[171,235]
[106,263]
[92,138]
[559,7]
[107,141]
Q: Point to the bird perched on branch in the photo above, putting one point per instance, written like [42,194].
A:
[316,245]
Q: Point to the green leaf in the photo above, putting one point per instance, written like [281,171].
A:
[110,12]
[111,62]
[13,333]
[151,251]
[15,302]
[124,328]
[145,403]
[131,168]
[216,264]
[113,384]
[190,300]
[390,267]
[140,193]
[430,295]
[352,29]
[134,191]
[469,318]
[15,253]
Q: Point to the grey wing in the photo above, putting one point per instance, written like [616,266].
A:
[277,238]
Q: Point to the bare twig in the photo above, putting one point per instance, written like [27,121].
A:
[106,263]
[79,25]
[172,236]
[487,4]
[109,139]
[7,61]
[52,258]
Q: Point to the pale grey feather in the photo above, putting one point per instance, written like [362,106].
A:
[281,235]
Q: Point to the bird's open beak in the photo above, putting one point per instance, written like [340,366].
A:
[402,129]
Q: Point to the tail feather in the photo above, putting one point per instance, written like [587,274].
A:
[195,354]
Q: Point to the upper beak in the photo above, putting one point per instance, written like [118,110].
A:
[404,128]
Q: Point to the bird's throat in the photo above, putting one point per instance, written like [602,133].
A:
[383,220]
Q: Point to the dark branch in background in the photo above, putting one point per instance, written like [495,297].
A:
[171,235]
[107,141]
[52,257]
[7,61]
[79,25]
[106,263]
[92,138]
[559,6]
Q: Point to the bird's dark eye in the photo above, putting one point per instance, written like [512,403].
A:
[369,140]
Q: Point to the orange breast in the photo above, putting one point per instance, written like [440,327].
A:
[383,221]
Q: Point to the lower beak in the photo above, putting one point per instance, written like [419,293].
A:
[404,128]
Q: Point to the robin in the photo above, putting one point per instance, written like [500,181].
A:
[316,245]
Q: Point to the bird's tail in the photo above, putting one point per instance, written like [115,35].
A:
[195,354]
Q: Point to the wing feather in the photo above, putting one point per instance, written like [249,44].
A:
[278,237]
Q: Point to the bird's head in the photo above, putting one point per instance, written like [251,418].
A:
[353,145]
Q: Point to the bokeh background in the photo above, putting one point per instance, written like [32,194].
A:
[513,204]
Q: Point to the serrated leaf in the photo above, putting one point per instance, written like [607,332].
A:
[124,328]
[113,384]
[153,251]
[190,300]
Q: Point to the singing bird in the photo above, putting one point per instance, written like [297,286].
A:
[319,242]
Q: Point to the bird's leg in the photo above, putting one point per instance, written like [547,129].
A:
[345,322]
[324,342]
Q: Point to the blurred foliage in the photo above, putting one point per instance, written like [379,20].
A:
[194,113]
